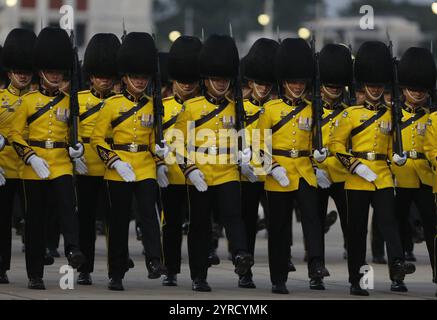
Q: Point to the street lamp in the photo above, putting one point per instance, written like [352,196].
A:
[434,7]
[264,19]
[174,35]
[304,33]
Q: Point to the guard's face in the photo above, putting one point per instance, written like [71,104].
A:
[218,86]
[53,77]
[415,96]
[186,90]
[136,83]
[373,92]
[102,83]
[360,96]
[20,79]
[387,98]
[260,91]
[332,92]
[294,89]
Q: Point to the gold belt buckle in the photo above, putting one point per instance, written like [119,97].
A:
[413,154]
[294,154]
[49,144]
[213,150]
[371,156]
[133,147]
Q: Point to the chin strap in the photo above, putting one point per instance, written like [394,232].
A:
[375,98]
[137,90]
[295,96]
[218,91]
[414,99]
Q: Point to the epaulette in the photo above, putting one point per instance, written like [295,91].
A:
[84,92]
[117,96]
[30,93]
[168,98]
[193,100]
[273,102]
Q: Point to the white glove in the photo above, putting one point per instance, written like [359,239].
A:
[125,170]
[364,172]
[323,179]
[244,156]
[198,179]
[162,176]
[247,171]
[321,155]
[162,152]
[400,161]
[40,166]
[280,175]
[2,142]
[80,165]
[2,177]
[76,152]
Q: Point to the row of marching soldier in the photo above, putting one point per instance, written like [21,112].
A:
[133,146]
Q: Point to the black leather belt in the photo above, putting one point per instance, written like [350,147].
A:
[132,147]
[213,150]
[87,140]
[48,144]
[413,154]
[7,142]
[371,156]
[291,153]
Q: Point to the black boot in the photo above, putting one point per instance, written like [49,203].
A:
[170,280]
[246,282]
[317,284]
[200,285]
[409,256]
[84,279]
[36,284]
[48,260]
[356,290]
[280,288]
[75,258]
[213,258]
[115,285]
[291,267]
[4,278]
[398,286]
[156,269]
[243,262]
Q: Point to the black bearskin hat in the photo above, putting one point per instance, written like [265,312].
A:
[18,50]
[417,69]
[373,63]
[335,65]
[294,60]
[101,55]
[183,59]
[260,61]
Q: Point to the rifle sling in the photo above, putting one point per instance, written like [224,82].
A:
[408,122]
[211,115]
[302,105]
[368,122]
[129,113]
[91,111]
[331,116]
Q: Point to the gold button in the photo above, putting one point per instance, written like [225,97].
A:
[51,116]
[294,141]
[294,124]
[50,123]
[294,132]
[50,131]
[135,129]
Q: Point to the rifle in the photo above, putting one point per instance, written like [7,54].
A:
[124,32]
[239,107]
[396,105]
[157,102]
[352,87]
[75,84]
[317,98]
[433,95]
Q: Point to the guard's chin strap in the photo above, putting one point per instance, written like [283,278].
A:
[375,98]
[331,95]
[293,95]
[414,99]
[17,81]
[218,91]
[186,92]
[262,97]
[135,89]
[54,85]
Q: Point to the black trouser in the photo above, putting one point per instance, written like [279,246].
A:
[227,197]
[41,196]
[91,195]
[53,229]
[7,201]
[383,204]
[424,200]
[337,193]
[251,194]
[121,197]
[175,203]
[280,217]
[377,240]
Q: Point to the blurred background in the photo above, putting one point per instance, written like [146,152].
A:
[409,22]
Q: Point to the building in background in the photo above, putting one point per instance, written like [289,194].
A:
[91,16]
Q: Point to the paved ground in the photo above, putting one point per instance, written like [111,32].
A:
[221,278]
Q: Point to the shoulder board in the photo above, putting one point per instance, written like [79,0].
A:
[84,92]
[117,96]
[194,100]
[30,93]
[2,90]
[273,102]
[168,98]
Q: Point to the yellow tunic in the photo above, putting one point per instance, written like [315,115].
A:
[87,101]
[137,129]
[296,134]
[253,111]
[414,171]
[10,101]
[331,118]
[217,168]
[430,146]
[172,108]
[377,137]
[51,126]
